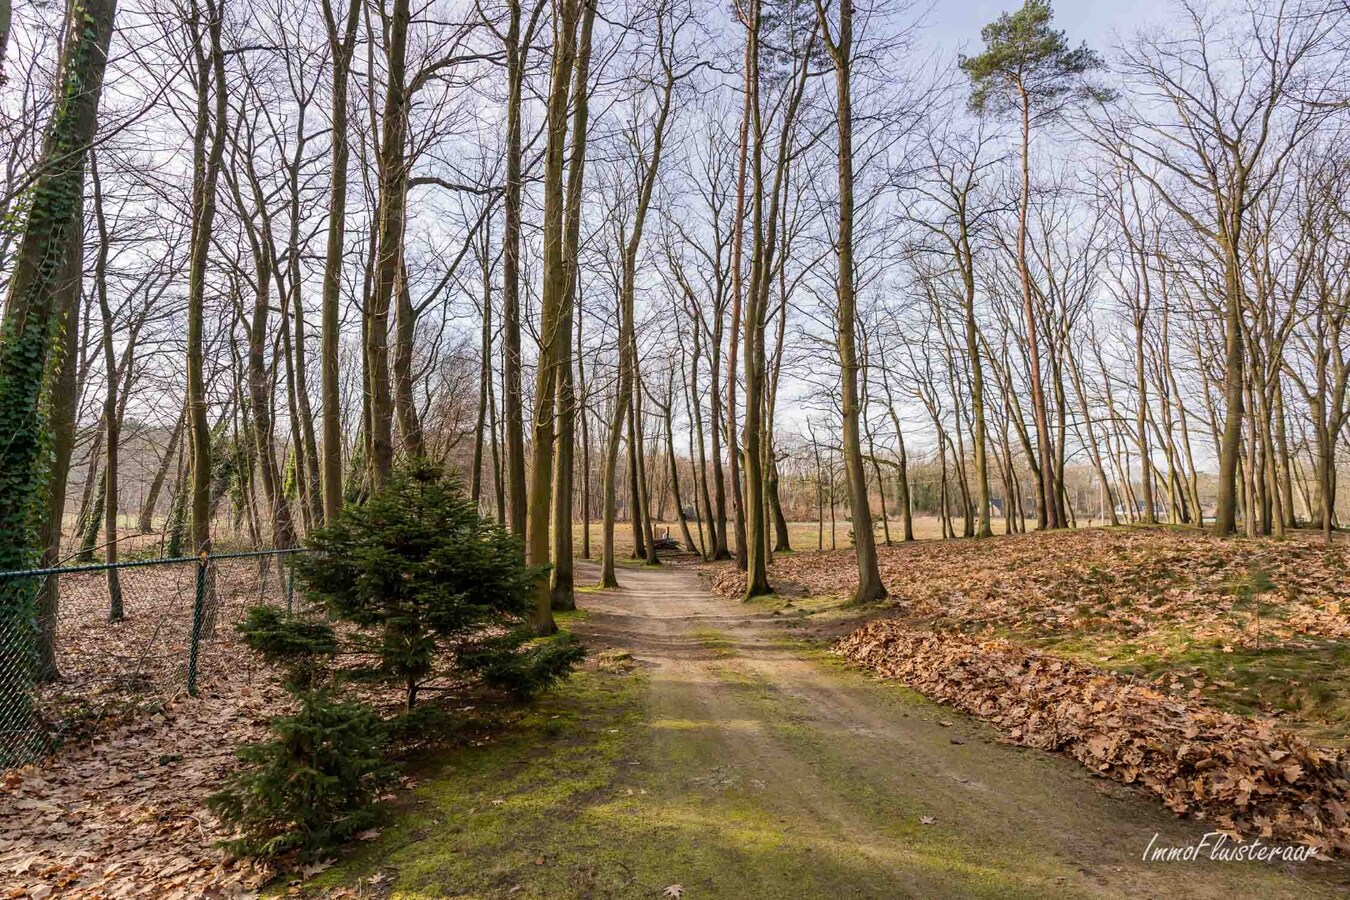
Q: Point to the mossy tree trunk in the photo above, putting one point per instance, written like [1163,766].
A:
[32,318]
[560,580]
[554,321]
[61,417]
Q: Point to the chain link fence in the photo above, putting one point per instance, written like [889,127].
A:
[115,640]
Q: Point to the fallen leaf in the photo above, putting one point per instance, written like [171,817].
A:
[313,869]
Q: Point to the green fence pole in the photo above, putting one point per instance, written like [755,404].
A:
[290,587]
[198,617]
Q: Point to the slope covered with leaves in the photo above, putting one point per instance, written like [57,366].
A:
[1210,671]
[1249,778]
[1254,626]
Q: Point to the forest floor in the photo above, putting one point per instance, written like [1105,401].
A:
[1254,627]
[731,757]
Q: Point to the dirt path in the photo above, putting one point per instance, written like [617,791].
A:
[778,773]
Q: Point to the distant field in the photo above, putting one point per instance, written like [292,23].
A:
[802,535]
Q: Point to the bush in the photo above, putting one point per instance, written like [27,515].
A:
[312,786]
[423,578]
[420,570]
[304,647]
[523,665]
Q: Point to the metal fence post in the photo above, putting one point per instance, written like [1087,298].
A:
[290,585]
[198,619]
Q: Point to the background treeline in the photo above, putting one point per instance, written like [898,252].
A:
[720,266]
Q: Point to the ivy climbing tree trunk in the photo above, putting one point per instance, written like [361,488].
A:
[64,405]
[26,337]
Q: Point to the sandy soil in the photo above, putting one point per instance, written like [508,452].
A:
[895,796]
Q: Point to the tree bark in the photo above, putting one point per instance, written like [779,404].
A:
[341,50]
[38,299]
[1046,483]
[207,164]
[870,587]
[62,412]
[393,169]
[561,579]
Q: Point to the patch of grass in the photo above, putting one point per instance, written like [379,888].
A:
[593,794]
[1308,682]
[494,810]
[717,643]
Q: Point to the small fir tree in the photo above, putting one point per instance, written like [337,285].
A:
[310,788]
[421,572]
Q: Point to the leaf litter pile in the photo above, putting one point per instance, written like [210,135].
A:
[1129,650]
[119,809]
[1249,778]
[125,815]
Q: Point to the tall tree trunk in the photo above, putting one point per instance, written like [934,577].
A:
[721,546]
[1225,512]
[608,577]
[641,486]
[1141,387]
[38,298]
[393,169]
[737,293]
[752,552]
[870,587]
[583,409]
[561,579]
[484,368]
[341,50]
[113,429]
[764,229]
[1282,448]
[207,163]
[985,527]
[512,412]
[405,405]
[697,434]
[554,318]
[260,404]
[629,380]
[62,411]
[1046,484]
